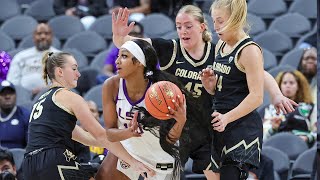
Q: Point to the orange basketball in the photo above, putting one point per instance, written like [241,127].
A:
[159,96]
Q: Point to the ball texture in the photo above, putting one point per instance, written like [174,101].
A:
[159,97]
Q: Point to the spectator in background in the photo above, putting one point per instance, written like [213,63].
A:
[86,10]
[310,41]
[308,67]
[14,119]
[109,68]
[301,122]
[26,68]
[138,8]
[7,165]
[169,7]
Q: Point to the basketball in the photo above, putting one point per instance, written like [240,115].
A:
[159,97]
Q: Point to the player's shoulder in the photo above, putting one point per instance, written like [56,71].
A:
[111,85]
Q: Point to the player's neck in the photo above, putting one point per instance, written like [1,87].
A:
[198,50]
[136,86]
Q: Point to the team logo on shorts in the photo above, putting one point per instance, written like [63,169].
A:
[124,165]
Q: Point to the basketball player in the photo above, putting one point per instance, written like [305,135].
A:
[49,152]
[122,95]
[236,81]
[185,58]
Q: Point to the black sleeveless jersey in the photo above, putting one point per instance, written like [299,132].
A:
[231,87]
[174,59]
[51,124]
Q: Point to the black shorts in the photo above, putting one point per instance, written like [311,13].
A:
[239,142]
[198,149]
[53,163]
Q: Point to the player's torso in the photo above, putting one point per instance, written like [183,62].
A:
[147,147]
[231,87]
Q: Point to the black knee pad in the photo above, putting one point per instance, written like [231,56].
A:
[234,171]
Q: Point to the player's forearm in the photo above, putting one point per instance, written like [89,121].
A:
[250,103]
[119,40]
[175,132]
[116,135]
[270,85]
[118,150]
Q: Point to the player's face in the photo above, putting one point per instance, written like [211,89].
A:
[7,98]
[220,18]
[189,30]
[125,64]
[289,85]
[71,73]
[309,62]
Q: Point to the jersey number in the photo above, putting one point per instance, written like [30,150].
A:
[219,82]
[196,90]
[37,110]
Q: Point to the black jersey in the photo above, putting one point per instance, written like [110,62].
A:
[231,87]
[174,59]
[51,124]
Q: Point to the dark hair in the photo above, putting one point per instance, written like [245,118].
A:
[50,61]
[141,29]
[7,155]
[150,123]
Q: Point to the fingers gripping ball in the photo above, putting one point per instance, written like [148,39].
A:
[159,96]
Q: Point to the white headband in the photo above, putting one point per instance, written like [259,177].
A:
[135,50]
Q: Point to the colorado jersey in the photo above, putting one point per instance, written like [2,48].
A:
[179,63]
[51,124]
[231,87]
[146,148]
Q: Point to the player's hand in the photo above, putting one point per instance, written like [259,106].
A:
[142,169]
[284,104]
[134,128]
[275,122]
[219,122]
[208,80]
[180,114]
[120,26]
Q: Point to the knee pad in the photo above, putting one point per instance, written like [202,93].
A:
[242,168]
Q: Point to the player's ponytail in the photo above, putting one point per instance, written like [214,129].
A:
[44,66]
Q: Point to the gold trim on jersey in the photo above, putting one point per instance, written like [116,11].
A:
[58,104]
[173,57]
[210,165]
[233,47]
[191,61]
[241,68]
[62,167]
[243,142]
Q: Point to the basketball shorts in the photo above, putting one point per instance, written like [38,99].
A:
[53,163]
[125,168]
[198,149]
[239,142]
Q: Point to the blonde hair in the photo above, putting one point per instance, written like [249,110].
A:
[238,13]
[198,15]
[304,91]
[50,61]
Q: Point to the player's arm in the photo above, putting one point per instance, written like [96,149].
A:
[110,116]
[279,101]
[252,61]
[120,28]
[180,115]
